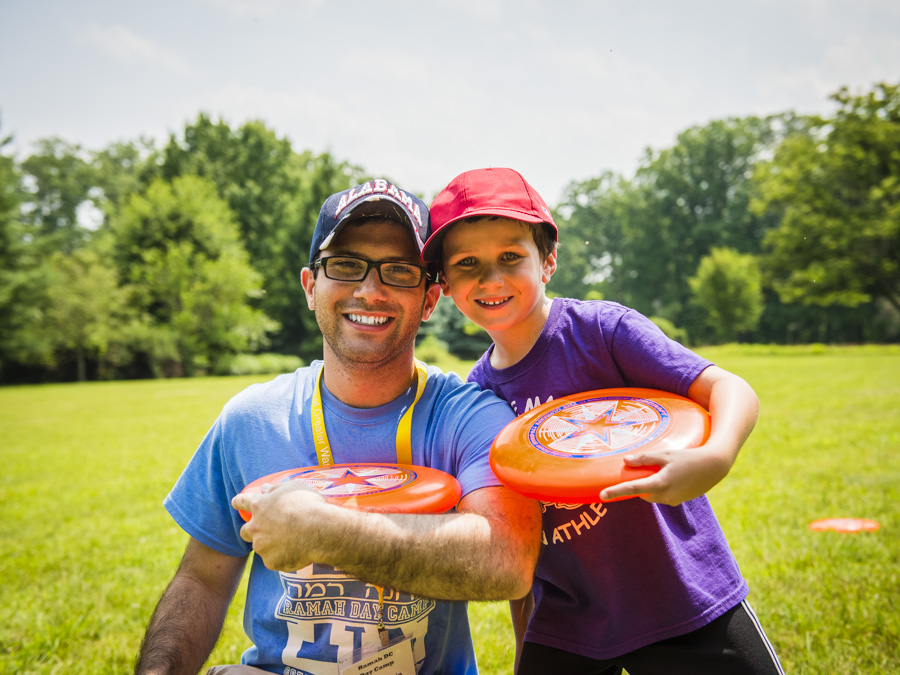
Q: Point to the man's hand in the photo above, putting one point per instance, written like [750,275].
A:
[485,551]
[283,528]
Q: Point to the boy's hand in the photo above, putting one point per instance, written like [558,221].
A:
[683,475]
[689,473]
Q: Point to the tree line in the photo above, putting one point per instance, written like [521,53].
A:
[145,261]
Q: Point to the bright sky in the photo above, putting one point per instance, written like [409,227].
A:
[420,91]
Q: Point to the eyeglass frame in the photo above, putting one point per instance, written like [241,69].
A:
[370,264]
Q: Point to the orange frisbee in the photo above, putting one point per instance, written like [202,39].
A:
[398,488]
[846,525]
[569,449]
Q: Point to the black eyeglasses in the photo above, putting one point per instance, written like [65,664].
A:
[391,273]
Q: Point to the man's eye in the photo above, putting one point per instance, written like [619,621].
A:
[345,265]
[400,270]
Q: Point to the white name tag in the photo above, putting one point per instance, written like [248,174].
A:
[395,659]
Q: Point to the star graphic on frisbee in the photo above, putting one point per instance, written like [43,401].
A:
[600,427]
[350,479]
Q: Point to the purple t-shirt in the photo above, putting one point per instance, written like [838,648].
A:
[613,577]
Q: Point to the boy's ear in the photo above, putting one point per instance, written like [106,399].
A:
[549,267]
[445,287]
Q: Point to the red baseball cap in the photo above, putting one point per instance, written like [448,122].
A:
[484,192]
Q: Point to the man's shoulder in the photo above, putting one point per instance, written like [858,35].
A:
[263,395]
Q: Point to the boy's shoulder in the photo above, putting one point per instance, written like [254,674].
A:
[605,311]
[574,304]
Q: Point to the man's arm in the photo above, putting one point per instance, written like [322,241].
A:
[485,551]
[685,474]
[189,616]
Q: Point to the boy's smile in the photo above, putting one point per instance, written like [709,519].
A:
[493,271]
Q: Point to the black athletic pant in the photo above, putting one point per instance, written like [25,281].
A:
[733,644]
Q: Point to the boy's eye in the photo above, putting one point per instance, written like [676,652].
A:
[466,262]
[509,255]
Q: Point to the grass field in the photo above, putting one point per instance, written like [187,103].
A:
[87,547]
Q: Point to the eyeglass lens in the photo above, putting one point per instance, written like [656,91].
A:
[341,268]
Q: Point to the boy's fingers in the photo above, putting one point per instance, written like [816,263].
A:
[646,459]
[641,486]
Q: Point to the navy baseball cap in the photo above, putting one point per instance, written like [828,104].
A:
[375,198]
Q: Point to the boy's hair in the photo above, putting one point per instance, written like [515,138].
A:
[489,192]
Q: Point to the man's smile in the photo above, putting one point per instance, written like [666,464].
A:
[368,320]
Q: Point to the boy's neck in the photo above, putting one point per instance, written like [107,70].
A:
[513,344]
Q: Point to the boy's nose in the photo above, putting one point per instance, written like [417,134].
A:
[491,276]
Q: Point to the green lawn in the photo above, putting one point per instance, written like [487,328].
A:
[87,547]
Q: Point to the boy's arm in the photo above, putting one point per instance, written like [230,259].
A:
[485,551]
[685,474]
[520,610]
[189,616]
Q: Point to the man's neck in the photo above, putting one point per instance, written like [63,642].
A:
[368,386]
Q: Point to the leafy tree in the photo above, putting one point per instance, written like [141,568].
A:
[178,248]
[587,222]
[58,180]
[729,289]
[837,192]
[22,279]
[647,235]
[120,170]
[86,309]
[275,195]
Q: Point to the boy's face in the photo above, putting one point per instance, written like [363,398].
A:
[493,271]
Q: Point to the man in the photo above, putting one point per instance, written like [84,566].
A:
[341,570]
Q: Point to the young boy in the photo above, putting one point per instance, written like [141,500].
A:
[646,584]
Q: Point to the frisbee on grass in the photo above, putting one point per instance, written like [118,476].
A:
[398,488]
[846,525]
[569,449]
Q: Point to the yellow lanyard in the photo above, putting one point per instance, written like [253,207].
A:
[404,428]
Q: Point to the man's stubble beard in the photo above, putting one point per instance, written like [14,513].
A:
[352,358]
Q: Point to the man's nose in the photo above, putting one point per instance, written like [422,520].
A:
[370,285]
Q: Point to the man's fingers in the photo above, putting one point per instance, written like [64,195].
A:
[243,502]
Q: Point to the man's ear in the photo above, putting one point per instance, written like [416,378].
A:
[432,295]
[308,281]
[549,267]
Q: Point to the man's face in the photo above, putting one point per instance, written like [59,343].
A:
[366,323]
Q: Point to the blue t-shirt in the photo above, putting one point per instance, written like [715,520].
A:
[309,620]
[613,577]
